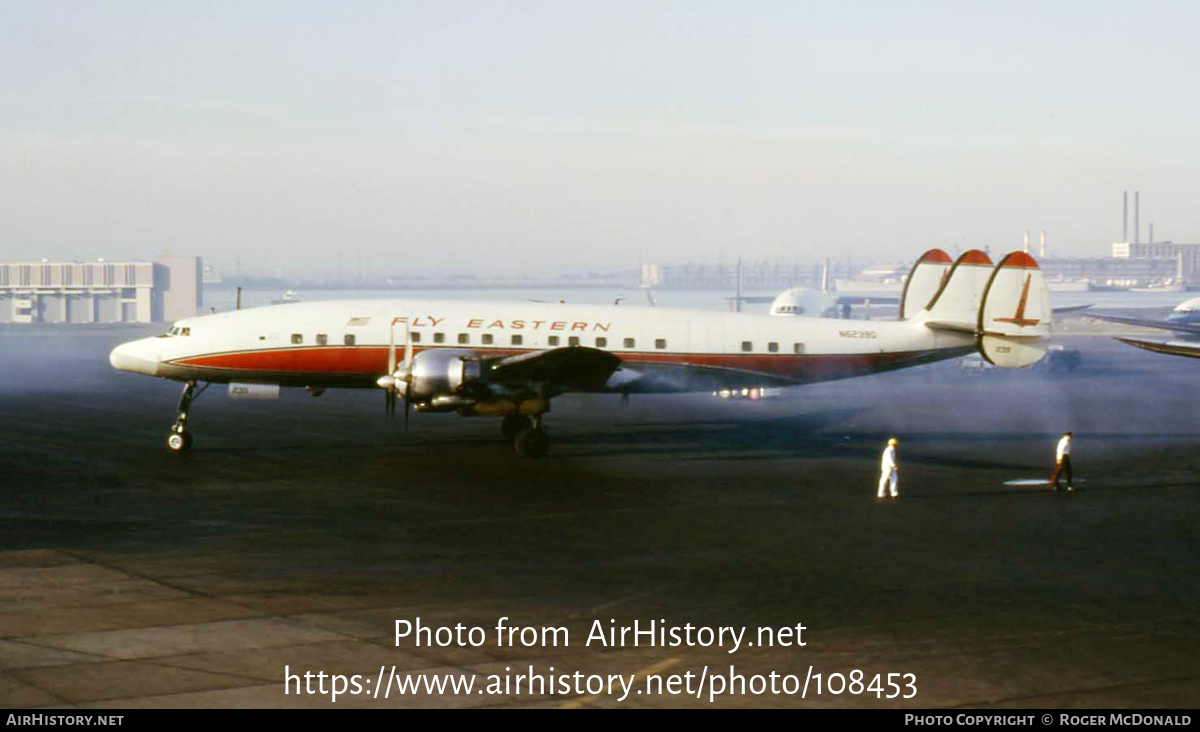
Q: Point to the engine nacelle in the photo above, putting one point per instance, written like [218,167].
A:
[442,372]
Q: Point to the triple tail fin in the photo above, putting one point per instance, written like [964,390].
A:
[1015,318]
[1006,307]
[924,281]
[955,306]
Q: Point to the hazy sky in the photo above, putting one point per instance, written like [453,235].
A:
[511,136]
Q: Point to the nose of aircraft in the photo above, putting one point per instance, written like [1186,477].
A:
[134,356]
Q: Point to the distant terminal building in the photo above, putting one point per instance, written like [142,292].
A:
[1186,257]
[1104,273]
[100,292]
[724,275]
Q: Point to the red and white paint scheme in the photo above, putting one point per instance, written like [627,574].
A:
[511,359]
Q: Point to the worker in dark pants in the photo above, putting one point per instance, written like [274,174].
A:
[1062,464]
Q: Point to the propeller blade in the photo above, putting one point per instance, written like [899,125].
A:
[390,403]
[407,402]
[392,349]
[408,350]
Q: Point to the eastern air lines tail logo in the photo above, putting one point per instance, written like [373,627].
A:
[1019,318]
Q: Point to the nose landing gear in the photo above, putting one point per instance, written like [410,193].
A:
[179,439]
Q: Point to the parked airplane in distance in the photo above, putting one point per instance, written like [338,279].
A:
[511,359]
[811,302]
[1184,321]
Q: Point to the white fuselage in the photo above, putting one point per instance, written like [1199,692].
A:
[346,343]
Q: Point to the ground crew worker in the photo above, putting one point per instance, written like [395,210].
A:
[888,472]
[1062,457]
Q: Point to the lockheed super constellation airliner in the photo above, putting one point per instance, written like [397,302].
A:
[510,360]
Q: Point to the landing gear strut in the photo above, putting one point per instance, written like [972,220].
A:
[179,439]
[513,425]
[532,442]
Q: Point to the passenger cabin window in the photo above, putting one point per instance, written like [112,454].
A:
[601,343]
[517,340]
[463,338]
[416,337]
[798,348]
[297,339]
[660,343]
[552,340]
[747,346]
[322,339]
[773,347]
[439,337]
[487,339]
[348,339]
[573,340]
[630,343]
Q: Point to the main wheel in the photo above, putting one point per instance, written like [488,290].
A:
[179,441]
[532,443]
[513,425]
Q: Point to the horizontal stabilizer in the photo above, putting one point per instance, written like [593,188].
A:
[957,326]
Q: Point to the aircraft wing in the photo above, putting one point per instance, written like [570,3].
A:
[570,368]
[1160,324]
[1071,308]
[1171,348]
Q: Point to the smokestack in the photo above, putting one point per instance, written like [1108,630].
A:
[1137,229]
[1027,241]
[1042,248]
[1125,216]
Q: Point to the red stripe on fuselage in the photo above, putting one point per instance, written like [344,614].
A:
[372,361]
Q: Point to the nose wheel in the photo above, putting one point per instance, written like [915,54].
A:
[179,439]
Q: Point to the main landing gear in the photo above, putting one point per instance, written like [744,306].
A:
[179,439]
[528,437]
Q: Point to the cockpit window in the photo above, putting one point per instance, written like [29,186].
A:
[176,331]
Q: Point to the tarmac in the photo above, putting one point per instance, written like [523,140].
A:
[297,532]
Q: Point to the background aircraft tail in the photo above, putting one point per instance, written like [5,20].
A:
[1006,306]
